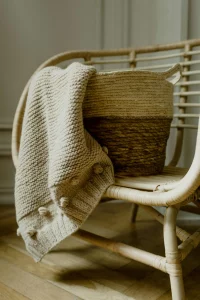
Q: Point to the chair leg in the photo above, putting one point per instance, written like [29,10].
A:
[134,212]
[173,265]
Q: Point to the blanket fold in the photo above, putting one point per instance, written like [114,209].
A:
[62,171]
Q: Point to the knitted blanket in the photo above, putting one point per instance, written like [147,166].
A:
[62,171]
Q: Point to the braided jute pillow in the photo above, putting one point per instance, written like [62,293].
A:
[130,112]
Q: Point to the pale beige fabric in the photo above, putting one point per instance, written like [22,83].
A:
[62,171]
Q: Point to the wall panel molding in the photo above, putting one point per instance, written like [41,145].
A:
[6,187]
[5,143]
[7,126]
[6,194]
[5,150]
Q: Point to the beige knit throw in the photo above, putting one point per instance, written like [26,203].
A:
[62,171]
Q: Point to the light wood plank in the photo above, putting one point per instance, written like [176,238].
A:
[7,293]
[29,285]
[57,264]
[87,272]
[72,274]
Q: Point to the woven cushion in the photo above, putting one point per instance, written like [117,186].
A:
[149,183]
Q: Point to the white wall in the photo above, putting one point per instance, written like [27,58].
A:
[32,30]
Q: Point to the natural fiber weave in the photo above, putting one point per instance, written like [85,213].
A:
[62,171]
[130,113]
[136,146]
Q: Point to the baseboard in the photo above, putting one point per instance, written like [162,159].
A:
[6,195]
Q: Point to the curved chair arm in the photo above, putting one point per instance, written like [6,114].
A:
[178,193]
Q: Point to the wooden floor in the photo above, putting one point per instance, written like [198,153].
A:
[77,270]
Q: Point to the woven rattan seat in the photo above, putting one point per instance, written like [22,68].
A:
[153,183]
[150,183]
[175,188]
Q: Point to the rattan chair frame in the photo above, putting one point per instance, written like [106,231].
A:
[173,196]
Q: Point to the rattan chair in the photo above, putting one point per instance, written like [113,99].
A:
[176,187]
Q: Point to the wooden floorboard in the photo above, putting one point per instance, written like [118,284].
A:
[7,293]
[77,270]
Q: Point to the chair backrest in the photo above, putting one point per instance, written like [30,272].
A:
[159,57]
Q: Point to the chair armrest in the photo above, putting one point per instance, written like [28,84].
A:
[169,198]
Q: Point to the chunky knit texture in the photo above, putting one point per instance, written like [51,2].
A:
[62,171]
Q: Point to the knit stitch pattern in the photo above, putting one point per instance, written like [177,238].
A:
[62,171]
